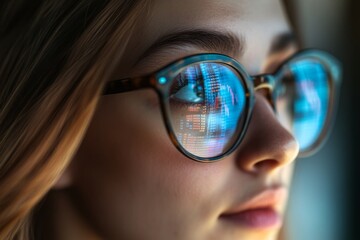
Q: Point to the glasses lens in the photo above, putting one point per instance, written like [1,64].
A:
[302,100]
[207,103]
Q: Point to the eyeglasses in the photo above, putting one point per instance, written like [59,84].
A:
[207,100]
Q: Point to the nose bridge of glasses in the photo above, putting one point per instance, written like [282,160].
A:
[265,83]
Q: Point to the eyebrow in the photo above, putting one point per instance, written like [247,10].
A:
[224,42]
[282,41]
[214,41]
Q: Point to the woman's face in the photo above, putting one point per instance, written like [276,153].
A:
[131,182]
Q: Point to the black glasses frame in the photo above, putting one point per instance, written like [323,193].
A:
[161,81]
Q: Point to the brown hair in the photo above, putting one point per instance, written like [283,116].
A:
[54,56]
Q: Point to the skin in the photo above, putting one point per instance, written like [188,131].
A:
[128,181]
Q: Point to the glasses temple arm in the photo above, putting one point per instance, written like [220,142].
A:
[128,84]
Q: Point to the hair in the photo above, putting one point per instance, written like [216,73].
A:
[55,57]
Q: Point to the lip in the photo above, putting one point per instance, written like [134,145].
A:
[259,211]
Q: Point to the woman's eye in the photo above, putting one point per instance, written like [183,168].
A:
[190,93]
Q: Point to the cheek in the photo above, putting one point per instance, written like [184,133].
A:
[287,174]
[128,169]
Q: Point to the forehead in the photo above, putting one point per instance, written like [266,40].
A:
[213,13]
[257,22]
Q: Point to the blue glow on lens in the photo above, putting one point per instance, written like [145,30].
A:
[162,80]
[207,102]
[311,101]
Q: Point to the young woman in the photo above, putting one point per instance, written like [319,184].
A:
[154,119]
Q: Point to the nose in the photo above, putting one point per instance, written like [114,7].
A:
[267,145]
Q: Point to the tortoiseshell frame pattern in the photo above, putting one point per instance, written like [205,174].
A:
[161,81]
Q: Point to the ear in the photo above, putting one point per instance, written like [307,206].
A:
[65,180]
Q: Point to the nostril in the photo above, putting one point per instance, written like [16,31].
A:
[265,165]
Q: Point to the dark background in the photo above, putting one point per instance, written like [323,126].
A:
[324,202]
